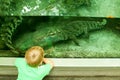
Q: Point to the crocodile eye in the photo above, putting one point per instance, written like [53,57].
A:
[52,33]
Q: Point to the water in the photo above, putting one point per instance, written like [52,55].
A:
[57,35]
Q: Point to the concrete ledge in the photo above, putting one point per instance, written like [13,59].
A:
[72,62]
[71,69]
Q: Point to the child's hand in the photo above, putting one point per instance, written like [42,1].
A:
[48,61]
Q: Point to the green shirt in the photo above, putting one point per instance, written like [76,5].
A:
[25,72]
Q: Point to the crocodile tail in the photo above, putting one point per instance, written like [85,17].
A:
[104,22]
[100,25]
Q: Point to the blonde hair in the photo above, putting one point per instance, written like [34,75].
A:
[34,56]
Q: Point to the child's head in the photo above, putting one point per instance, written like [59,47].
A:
[34,56]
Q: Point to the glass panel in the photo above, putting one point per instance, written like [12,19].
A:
[67,36]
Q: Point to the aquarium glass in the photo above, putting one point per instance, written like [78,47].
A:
[61,36]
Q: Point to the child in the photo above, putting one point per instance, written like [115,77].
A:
[31,67]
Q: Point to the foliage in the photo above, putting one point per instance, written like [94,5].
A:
[40,7]
[73,4]
[91,8]
[7,29]
[5,7]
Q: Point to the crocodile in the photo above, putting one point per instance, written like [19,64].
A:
[71,31]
